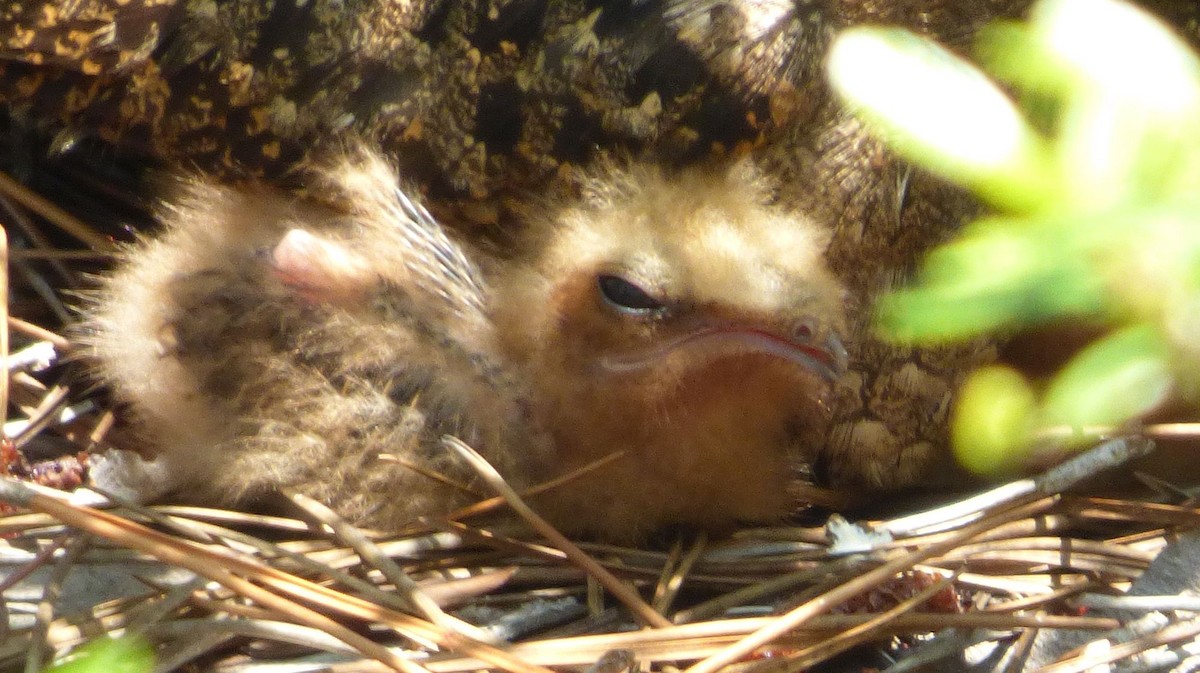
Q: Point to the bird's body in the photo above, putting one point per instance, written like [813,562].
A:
[682,322]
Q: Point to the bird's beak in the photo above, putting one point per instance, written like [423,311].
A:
[820,351]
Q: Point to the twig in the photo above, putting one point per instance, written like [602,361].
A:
[42,416]
[619,589]
[370,553]
[220,568]
[691,641]
[775,585]
[255,628]
[43,555]
[1141,603]
[1167,635]
[494,502]
[37,658]
[674,574]
[53,214]
[854,635]
[69,255]
[1055,480]
[842,593]
[29,329]
[428,473]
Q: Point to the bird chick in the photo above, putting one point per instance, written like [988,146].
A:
[678,321]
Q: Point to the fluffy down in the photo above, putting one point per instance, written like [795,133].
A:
[680,320]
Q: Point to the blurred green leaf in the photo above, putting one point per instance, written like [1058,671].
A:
[1116,152]
[1102,203]
[128,654]
[1119,377]
[898,83]
[994,275]
[1113,45]
[994,418]
[1011,52]
[1132,126]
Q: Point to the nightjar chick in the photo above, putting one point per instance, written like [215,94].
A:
[674,318]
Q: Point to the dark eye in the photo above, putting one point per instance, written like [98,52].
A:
[626,296]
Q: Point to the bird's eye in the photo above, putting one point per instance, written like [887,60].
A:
[626,296]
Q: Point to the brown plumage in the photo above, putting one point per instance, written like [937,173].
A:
[264,341]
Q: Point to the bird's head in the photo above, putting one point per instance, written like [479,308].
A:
[664,283]
[683,321]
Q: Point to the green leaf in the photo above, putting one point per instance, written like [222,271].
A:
[997,274]
[128,654]
[943,113]
[1114,45]
[1113,380]
[1150,258]
[1131,132]
[1011,52]
[992,420]
[1115,150]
